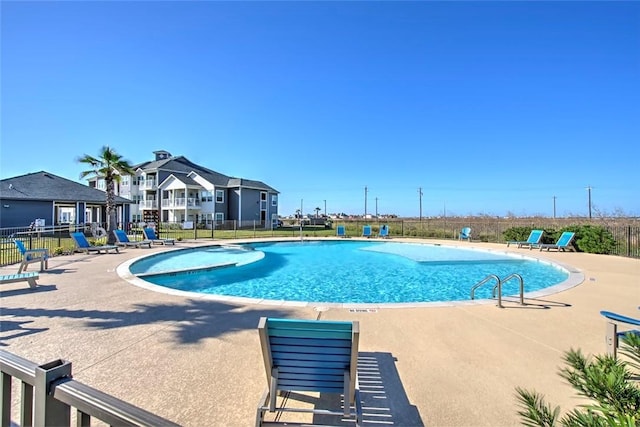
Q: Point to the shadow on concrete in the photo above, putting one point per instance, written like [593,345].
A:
[13,329]
[192,320]
[384,400]
[27,290]
[532,303]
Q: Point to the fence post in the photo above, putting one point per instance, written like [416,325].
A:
[49,411]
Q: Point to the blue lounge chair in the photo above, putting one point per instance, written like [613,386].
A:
[123,240]
[150,234]
[384,232]
[32,255]
[83,245]
[366,231]
[533,241]
[465,234]
[613,335]
[562,244]
[309,356]
[340,231]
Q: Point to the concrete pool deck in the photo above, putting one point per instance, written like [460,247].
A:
[197,362]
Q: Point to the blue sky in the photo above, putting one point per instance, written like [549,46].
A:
[490,108]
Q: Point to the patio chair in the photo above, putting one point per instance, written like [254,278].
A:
[29,277]
[83,245]
[384,232]
[465,234]
[563,243]
[340,231]
[533,241]
[366,231]
[29,256]
[613,335]
[150,234]
[123,240]
[309,356]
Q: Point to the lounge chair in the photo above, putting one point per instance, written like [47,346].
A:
[613,335]
[366,231]
[309,356]
[465,234]
[533,241]
[562,244]
[123,240]
[150,234]
[29,277]
[384,232]
[83,245]
[32,255]
[340,231]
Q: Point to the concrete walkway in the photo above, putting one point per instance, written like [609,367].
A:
[197,362]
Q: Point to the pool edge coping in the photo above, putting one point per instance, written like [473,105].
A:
[576,277]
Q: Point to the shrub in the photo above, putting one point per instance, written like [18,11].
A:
[594,239]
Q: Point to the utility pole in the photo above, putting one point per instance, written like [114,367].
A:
[366,190]
[554,207]
[376,207]
[589,193]
[325,208]
[420,197]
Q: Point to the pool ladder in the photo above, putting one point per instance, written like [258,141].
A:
[498,286]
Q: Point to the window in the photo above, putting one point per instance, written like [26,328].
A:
[125,180]
[206,196]
[219,217]
[274,200]
[219,197]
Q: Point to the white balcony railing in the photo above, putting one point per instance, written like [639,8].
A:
[181,202]
[148,184]
[148,204]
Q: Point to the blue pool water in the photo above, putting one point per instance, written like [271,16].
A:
[343,272]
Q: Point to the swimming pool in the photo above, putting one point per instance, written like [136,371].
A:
[357,272]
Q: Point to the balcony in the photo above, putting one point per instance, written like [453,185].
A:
[148,204]
[148,184]
[181,203]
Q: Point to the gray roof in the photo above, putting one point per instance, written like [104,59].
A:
[47,186]
[184,179]
[182,164]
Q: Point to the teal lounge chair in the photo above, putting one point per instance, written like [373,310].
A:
[83,245]
[533,241]
[316,356]
[384,232]
[613,335]
[562,244]
[32,255]
[150,234]
[29,277]
[340,231]
[465,234]
[123,240]
[366,231]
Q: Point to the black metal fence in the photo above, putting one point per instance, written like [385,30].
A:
[625,232]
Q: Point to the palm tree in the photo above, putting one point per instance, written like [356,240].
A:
[110,166]
[317,210]
[611,383]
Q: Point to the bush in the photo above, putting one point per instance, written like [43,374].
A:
[593,239]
